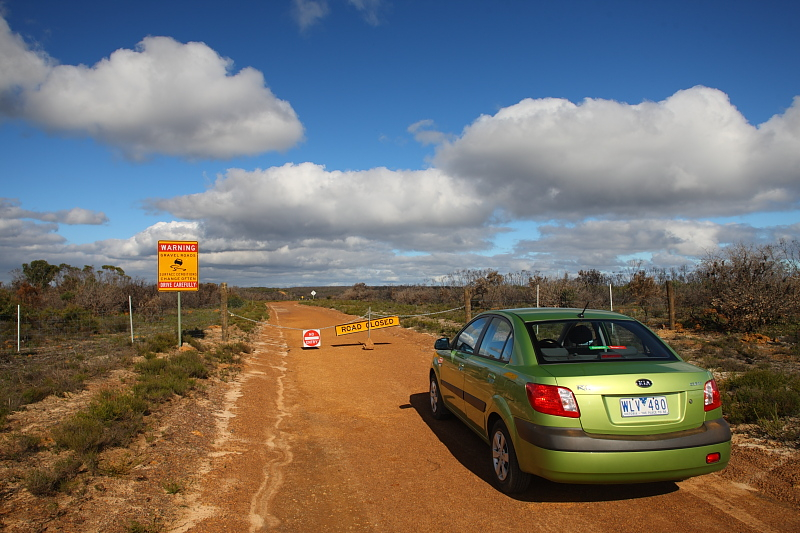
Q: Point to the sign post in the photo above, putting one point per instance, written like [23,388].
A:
[178,270]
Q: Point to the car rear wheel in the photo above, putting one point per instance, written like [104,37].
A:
[438,410]
[507,475]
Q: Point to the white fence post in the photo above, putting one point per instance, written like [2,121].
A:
[130,314]
[610,297]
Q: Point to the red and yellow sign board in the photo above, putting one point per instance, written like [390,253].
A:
[366,325]
[178,266]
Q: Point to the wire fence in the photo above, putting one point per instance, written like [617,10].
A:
[30,329]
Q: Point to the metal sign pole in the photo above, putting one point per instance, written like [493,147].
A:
[180,341]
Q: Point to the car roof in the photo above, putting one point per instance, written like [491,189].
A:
[533,314]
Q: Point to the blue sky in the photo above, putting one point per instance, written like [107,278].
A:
[341,141]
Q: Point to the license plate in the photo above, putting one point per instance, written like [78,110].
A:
[644,406]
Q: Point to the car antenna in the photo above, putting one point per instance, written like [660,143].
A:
[580,315]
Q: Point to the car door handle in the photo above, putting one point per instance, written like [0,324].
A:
[461,367]
[491,376]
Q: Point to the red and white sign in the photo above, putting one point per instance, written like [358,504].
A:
[311,338]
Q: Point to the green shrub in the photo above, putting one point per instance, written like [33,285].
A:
[230,353]
[16,446]
[173,487]
[134,526]
[159,343]
[162,387]
[111,419]
[189,363]
[761,395]
[160,378]
[80,434]
[48,481]
[152,366]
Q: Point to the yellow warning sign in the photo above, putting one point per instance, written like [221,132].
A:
[366,325]
[178,266]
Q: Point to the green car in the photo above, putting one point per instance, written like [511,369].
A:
[579,396]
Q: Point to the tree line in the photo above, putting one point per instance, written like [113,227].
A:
[40,285]
[739,288]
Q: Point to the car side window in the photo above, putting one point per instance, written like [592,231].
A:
[468,338]
[497,340]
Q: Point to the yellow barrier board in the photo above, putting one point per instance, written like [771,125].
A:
[366,325]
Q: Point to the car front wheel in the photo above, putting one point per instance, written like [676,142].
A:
[438,410]
[507,475]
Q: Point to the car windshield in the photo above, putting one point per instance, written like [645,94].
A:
[566,341]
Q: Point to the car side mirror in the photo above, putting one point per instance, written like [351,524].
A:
[442,344]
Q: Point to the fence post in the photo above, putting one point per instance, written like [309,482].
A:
[19,321]
[130,314]
[610,298]
[671,304]
[468,303]
[223,308]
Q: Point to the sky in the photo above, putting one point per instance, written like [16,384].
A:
[334,142]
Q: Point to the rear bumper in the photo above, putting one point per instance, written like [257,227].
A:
[576,440]
[569,455]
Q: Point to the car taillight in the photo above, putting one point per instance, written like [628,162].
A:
[713,457]
[552,400]
[711,399]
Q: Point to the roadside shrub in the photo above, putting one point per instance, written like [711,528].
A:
[160,378]
[189,363]
[16,446]
[761,395]
[111,419]
[48,481]
[134,526]
[230,353]
[159,343]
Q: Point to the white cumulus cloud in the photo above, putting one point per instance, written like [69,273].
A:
[692,154]
[164,97]
[411,210]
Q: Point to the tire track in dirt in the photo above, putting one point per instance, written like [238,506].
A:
[246,469]
[277,440]
[725,500]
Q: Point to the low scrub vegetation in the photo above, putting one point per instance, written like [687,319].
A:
[766,398]
[116,415]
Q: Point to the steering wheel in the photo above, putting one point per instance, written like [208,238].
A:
[549,343]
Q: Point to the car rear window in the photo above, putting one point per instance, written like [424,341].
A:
[566,341]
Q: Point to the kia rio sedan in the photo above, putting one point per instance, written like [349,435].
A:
[579,396]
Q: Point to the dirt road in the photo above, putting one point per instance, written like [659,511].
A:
[339,438]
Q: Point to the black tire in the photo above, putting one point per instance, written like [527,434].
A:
[507,475]
[438,409]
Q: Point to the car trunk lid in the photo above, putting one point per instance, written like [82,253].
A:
[635,398]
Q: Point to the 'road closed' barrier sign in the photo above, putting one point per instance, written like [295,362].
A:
[366,325]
